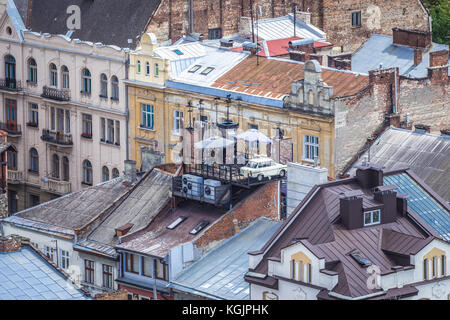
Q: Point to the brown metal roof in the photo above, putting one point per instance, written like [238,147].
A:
[273,78]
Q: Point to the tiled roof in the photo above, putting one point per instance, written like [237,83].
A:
[273,78]
[24,275]
[220,273]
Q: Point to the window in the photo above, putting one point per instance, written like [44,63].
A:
[59,119]
[215,33]
[356,19]
[87,172]
[65,77]
[34,160]
[33,120]
[132,263]
[206,71]
[117,132]
[12,160]
[425,269]
[195,68]
[293,269]
[49,252]
[67,121]
[103,129]
[434,267]
[147,116]
[52,118]
[178,52]
[176,223]
[55,166]
[87,125]
[107,276]
[138,69]
[177,121]
[65,172]
[32,70]
[86,81]
[103,86]
[10,71]
[309,273]
[371,217]
[105,173]
[310,147]
[161,270]
[147,69]
[443,266]
[114,88]
[35,200]
[156,70]
[65,261]
[110,131]
[53,75]
[199,227]
[147,267]
[115,173]
[89,271]
[360,259]
[253,126]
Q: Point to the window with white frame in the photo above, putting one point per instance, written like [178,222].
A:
[64,259]
[177,121]
[371,217]
[53,75]
[33,115]
[310,147]
[147,116]
[89,271]
[49,252]
[107,276]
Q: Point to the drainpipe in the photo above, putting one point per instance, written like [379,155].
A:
[395,93]
[155,297]
[127,109]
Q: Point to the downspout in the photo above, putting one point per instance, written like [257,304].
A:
[395,88]
[127,109]
[155,297]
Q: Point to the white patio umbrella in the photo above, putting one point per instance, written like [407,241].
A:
[254,135]
[214,142]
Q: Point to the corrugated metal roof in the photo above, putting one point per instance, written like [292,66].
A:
[379,49]
[24,275]
[427,155]
[220,273]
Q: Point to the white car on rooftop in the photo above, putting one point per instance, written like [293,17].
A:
[263,167]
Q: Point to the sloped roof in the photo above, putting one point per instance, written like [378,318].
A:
[379,49]
[279,47]
[427,155]
[220,273]
[111,22]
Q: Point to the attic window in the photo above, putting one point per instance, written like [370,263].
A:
[206,71]
[9,30]
[176,223]
[195,68]
[360,259]
[199,227]
[178,52]
[371,217]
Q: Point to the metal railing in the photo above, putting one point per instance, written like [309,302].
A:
[64,139]
[11,127]
[55,94]
[10,84]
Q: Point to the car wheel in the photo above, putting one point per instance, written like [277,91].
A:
[260,177]
[282,173]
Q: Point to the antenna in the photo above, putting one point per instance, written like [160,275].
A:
[294,9]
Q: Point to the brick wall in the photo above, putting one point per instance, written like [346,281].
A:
[116,295]
[261,203]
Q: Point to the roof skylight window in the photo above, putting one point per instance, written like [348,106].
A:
[360,259]
[199,227]
[195,68]
[178,52]
[206,71]
[176,223]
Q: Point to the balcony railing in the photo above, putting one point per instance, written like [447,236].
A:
[57,186]
[60,138]
[15,176]
[10,84]
[11,127]
[55,94]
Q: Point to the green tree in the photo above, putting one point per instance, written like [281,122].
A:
[440,14]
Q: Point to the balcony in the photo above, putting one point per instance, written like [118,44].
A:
[15,176]
[58,138]
[12,128]
[10,84]
[55,94]
[57,186]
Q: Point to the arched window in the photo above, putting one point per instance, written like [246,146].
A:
[87,172]
[55,166]
[114,88]
[115,173]
[105,173]
[12,159]
[138,69]
[104,86]
[156,70]
[65,77]
[86,81]
[53,75]
[34,160]
[32,70]
[65,172]
[147,68]
[10,71]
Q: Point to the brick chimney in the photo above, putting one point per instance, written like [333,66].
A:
[438,58]
[369,176]
[303,45]
[227,43]
[351,209]
[411,38]
[417,56]
[250,46]
[10,243]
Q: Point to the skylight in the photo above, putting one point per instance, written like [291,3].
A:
[199,227]
[176,223]
[195,68]
[360,259]
[206,71]
[178,52]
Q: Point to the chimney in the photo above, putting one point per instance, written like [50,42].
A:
[250,46]
[411,38]
[417,56]
[388,197]
[227,43]
[438,58]
[150,159]
[123,230]
[351,209]
[10,243]
[402,203]
[301,179]
[369,176]
[303,45]
[130,171]
[422,128]
[445,133]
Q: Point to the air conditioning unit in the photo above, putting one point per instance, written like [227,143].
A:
[192,185]
[209,188]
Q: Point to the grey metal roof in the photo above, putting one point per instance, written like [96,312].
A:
[379,49]
[24,275]
[427,155]
[220,273]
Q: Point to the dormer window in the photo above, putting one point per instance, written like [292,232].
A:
[206,71]
[371,217]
